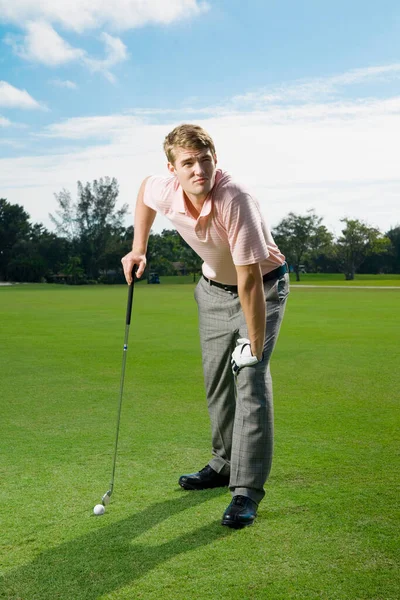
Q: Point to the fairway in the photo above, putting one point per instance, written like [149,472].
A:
[328,527]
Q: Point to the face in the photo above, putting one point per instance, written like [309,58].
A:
[195,170]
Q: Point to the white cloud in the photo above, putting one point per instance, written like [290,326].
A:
[4,122]
[12,143]
[81,15]
[350,110]
[42,44]
[383,73]
[342,160]
[115,127]
[12,97]
[308,90]
[84,128]
[339,157]
[295,155]
[71,85]
[116,52]
[115,49]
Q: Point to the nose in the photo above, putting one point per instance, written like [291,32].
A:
[199,170]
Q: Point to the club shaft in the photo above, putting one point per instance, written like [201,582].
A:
[121,386]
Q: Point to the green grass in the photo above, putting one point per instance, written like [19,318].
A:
[338,279]
[328,527]
[314,279]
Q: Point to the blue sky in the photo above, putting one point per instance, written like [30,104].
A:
[302,98]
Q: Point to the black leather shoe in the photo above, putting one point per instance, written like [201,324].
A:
[241,512]
[203,480]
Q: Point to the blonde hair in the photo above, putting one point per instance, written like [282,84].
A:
[188,136]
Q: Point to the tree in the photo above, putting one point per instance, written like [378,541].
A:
[37,256]
[320,255]
[394,252]
[14,227]
[162,251]
[51,248]
[297,236]
[168,249]
[118,244]
[65,221]
[73,270]
[92,223]
[356,243]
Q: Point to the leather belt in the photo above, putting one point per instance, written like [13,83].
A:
[278,272]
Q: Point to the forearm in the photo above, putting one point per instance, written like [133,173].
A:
[251,295]
[144,219]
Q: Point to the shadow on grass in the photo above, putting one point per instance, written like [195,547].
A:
[105,560]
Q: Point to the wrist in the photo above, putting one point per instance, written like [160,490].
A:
[138,250]
[258,353]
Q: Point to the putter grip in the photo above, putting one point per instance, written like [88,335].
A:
[130,299]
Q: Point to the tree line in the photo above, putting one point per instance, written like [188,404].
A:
[90,238]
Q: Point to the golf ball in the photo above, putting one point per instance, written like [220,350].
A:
[99,509]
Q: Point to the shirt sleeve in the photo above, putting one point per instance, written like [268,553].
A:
[247,235]
[156,191]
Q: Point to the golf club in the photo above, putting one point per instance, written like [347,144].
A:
[106,498]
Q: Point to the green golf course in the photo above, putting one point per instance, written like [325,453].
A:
[328,527]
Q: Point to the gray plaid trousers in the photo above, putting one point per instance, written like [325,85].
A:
[241,412]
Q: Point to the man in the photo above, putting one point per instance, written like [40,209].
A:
[241,300]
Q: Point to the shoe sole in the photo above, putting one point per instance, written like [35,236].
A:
[234,525]
[193,488]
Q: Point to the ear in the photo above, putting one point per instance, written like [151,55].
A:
[215,159]
[171,168]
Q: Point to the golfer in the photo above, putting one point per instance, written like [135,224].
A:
[241,300]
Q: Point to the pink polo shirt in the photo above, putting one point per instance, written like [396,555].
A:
[229,231]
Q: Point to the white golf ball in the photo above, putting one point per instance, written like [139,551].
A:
[99,509]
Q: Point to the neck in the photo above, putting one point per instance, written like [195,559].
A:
[195,203]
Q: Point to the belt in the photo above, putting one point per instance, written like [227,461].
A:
[278,272]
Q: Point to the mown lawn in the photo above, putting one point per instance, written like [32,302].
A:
[339,279]
[328,527]
[314,279]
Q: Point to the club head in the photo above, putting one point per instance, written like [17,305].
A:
[106,498]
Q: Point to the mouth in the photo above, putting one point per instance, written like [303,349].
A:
[200,180]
